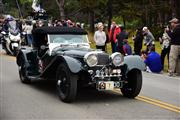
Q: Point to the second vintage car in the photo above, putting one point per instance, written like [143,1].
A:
[63,54]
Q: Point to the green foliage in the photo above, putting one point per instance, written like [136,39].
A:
[157,32]
[25,1]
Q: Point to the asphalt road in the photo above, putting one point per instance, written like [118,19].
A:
[159,99]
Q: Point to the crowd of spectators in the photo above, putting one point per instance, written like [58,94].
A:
[170,40]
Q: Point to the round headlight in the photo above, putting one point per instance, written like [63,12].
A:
[91,59]
[117,59]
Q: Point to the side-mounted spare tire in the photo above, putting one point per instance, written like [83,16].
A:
[134,85]
[23,71]
[66,83]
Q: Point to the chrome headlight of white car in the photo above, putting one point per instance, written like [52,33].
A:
[91,59]
[117,59]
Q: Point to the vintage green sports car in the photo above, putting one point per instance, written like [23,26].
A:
[63,54]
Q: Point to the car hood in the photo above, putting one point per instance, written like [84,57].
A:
[77,52]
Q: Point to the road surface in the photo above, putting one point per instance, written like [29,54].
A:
[159,99]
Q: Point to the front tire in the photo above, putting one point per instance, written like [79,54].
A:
[134,85]
[15,51]
[66,83]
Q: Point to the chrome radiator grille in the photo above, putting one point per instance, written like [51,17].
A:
[103,59]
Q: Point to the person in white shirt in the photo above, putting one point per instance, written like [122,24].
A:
[100,37]
[28,29]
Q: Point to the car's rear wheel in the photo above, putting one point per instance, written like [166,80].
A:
[66,83]
[133,87]
[23,72]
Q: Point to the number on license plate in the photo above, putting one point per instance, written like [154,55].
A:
[105,85]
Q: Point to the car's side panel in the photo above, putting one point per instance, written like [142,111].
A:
[134,62]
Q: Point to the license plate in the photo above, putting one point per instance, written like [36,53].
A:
[102,85]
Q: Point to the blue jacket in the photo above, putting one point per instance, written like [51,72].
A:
[153,61]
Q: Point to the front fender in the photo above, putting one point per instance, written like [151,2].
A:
[23,53]
[74,65]
[134,62]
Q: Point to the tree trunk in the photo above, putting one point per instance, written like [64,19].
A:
[19,9]
[109,8]
[173,8]
[60,4]
[91,20]
[1,7]
[124,21]
[177,9]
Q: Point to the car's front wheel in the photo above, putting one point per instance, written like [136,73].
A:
[66,83]
[133,87]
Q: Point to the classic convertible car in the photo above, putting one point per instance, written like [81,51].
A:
[63,54]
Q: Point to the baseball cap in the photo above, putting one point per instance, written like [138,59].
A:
[174,20]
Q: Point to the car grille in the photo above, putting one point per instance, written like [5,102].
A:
[103,59]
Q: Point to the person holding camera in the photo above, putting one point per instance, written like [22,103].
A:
[165,42]
[174,34]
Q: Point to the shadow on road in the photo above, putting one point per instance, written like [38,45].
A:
[84,95]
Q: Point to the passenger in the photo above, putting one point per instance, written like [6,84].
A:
[152,61]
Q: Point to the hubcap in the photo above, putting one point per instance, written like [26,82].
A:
[62,84]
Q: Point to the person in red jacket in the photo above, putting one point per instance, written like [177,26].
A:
[114,31]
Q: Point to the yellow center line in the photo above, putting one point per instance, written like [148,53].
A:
[159,102]
[155,102]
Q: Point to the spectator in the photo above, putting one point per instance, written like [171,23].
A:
[175,45]
[120,38]
[165,41]
[100,37]
[152,61]
[127,48]
[28,29]
[138,40]
[115,29]
[78,25]
[148,38]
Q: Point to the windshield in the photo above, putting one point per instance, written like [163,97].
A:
[12,25]
[13,29]
[68,39]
